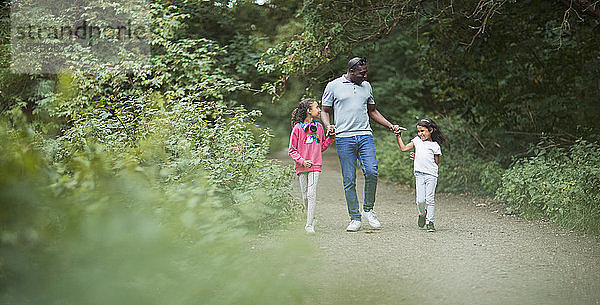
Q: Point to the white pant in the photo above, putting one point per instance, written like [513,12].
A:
[425,185]
[308,186]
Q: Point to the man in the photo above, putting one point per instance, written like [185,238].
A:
[351,98]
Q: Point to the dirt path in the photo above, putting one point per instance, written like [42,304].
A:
[478,255]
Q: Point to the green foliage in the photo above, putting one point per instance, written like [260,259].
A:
[191,136]
[392,163]
[142,187]
[560,184]
[181,104]
[466,174]
[128,238]
[330,29]
[542,84]
[394,76]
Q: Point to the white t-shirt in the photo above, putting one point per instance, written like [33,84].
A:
[424,152]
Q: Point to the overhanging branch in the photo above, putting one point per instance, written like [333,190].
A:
[590,8]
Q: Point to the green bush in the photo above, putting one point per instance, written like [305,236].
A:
[175,121]
[466,174]
[182,145]
[143,188]
[85,231]
[394,164]
[563,185]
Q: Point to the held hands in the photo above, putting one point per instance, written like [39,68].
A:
[330,131]
[397,129]
[307,163]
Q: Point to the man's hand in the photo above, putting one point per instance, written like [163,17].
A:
[412,155]
[307,163]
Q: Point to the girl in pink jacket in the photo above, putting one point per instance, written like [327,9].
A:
[307,142]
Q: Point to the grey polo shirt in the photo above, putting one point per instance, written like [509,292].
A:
[349,102]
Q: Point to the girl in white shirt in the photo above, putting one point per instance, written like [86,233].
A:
[427,159]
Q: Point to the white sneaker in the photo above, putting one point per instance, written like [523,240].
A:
[373,222]
[309,229]
[353,226]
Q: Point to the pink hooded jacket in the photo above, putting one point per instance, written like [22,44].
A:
[303,146]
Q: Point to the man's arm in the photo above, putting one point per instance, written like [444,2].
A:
[325,116]
[379,118]
[325,119]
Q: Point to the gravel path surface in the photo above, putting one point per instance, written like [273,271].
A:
[478,255]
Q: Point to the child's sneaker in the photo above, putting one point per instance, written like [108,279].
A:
[430,227]
[353,226]
[309,229]
[421,221]
[373,222]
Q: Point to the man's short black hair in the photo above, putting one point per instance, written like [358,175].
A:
[356,61]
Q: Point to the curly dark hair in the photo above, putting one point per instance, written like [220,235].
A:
[299,114]
[436,134]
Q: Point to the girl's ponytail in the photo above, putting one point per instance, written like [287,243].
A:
[299,114]
[436,134]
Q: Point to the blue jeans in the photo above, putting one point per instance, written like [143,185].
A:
[361,148]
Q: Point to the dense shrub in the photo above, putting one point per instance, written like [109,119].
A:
[182,146]
[176,120]
[466,174]
[120,239]
[142,188]
[561,184]
[393,163]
